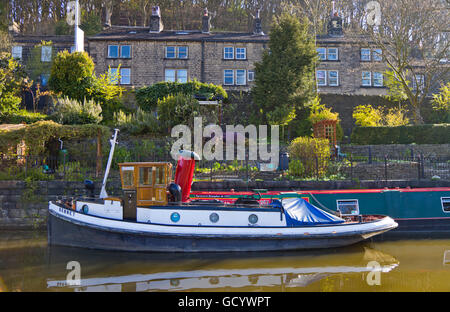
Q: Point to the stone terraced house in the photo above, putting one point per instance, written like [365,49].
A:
[349,64]
[149,55]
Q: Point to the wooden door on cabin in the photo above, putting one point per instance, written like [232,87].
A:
[160,185]
[145,191]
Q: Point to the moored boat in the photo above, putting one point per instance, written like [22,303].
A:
[419,212]
[156,214]
[243,228]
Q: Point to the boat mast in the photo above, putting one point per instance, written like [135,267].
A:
[113,142]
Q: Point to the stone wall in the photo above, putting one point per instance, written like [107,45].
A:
[381,171]
[25,205]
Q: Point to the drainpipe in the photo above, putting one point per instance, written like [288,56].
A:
[202,66]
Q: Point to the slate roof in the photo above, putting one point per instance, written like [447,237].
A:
[65,39]
[140,34]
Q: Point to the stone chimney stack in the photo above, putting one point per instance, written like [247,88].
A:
[334,27]
[257,27]
[206,22]
[156,24]
[107,15]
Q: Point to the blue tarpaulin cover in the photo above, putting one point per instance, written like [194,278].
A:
[299,212]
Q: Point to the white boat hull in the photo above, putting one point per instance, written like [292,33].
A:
[73,228]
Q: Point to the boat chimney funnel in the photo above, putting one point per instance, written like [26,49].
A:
[184,173]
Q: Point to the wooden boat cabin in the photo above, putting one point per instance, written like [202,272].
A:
[144,184]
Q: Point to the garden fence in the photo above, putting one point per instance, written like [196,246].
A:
[345,168]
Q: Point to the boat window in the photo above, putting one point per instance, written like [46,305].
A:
[128,176]
[348,206]
[159,175]
[445,201]
[145,176]
[169,174]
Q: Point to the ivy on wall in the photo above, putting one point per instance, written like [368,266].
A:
[36,135]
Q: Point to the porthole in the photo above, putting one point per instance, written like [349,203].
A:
[214,217]
[253,218]
[85,209]
[175,217]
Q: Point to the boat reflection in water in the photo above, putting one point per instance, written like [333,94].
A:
[219,271]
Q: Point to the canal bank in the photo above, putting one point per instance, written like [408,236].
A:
[24,205]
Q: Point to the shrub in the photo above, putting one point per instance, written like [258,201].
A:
[296,168]
[441,104]
[121,155]
[73,171]
[320,112]
[396,117]
[313,154]
[19,173]
[105,91]
[11,81]
[147,97]
[368,116]
[9,102]
[181,109]
[419,134]
[21,116]
[140,122]
[72,75]
[72,112]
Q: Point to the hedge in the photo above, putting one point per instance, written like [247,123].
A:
[21,116]
[147,97]
[419,134]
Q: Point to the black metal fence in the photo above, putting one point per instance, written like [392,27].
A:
[344,168]
[398,168]
[48,168]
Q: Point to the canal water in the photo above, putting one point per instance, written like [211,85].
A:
[27,263]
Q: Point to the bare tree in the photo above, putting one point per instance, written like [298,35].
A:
[413,36]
